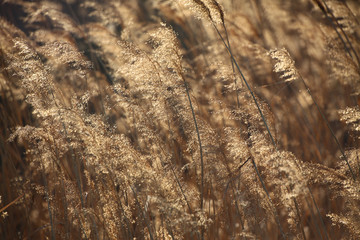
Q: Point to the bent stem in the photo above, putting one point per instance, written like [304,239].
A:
[265,122]
[268,195]
[201,153]
[247,85]
[328,126]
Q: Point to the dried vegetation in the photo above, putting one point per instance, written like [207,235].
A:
[186,119]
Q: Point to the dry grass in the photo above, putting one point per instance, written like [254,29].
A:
[188,119]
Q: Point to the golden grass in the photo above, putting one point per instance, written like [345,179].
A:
[187,119]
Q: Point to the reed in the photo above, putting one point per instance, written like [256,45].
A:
[187,119]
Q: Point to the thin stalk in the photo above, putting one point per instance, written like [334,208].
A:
[155,65]
[272,139]
[48,204]
[268,195]
[315,222]
[14,201]
[328,126]
[181,189]
[200,145]
[73,154]
[143,214]
[201,152]
[299,216]
[95,228]
[318,211]
[231,184]
[232,66]
[122,211]
[248,86]
[265,122]
[343,32]
[66,215]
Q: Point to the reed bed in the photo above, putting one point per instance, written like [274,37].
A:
[185,119]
